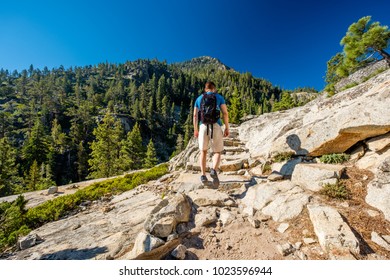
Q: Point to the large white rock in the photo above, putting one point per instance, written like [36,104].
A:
[287,205]
[375,237]
[378,190]
[144,242]
[163,219]
[379,143]
[95,233]
[333,233]
[205,216]
[325,125]
[281,200]
[314,176]
[208,197]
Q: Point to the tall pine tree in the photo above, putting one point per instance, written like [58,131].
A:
[106,149]
[9,179]
[151,156]
[134,151]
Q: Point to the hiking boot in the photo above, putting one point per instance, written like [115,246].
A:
[214,175]
[203,179]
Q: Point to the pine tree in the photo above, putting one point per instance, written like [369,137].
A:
[165,108]
[161,92]
[34,177]
[362,40]
[82,162]
[133,149]
[151,156]
[9,179]
[235,109]
[106,148]
[285,103]
[36,147]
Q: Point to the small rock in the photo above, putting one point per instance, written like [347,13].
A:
[305,232]
[52,190]
[386,238]
[254,222]
[376,238]
[109,257]
[107,208]
[344,204]
[372,213]
[230,203]
[275,176]
[29,241]
[309,240]
[298,245]
[343,256]
[76,227]
[241,172]
[172,236]
[262,217]
[179,252]
[228,247]
[301,255]
[285,249]
[226,217]
[253,162]
[385,165]
[182,227]
[365,177]
[85,203]
[283,227]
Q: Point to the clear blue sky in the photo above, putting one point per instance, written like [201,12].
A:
[285,42]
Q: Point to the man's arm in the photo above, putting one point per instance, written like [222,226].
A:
[196,122]
[225,119]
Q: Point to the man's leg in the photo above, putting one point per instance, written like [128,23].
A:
[216,160]
[217,145]
[202,161]
[203,145]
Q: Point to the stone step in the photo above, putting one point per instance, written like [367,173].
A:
[234,149]
[233,134]
[231,165]
[231,157]
[232,142]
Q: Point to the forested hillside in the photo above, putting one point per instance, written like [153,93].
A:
[65,125]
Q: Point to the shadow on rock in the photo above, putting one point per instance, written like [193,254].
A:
[75,254]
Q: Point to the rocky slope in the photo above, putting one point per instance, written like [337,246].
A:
[263,209]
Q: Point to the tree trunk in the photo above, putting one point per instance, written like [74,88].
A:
[385,55]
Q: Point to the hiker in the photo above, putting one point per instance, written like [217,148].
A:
[208,128]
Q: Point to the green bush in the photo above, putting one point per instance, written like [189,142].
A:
[378,71]
[351,85]
[338,190]
[280,157]
[335,158]
[266,168]
[16,221]
[12,221]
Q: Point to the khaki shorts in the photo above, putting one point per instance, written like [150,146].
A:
[216,143]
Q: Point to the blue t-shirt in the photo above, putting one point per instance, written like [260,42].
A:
[220,101]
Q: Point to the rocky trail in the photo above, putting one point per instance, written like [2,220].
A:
[263,209]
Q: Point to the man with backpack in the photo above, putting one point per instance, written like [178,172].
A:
[208,129]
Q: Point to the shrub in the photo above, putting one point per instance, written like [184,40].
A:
[351,85]
[334,158]
[338,190]
[282,156]
[266,168]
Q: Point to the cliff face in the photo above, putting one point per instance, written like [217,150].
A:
[263,209]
